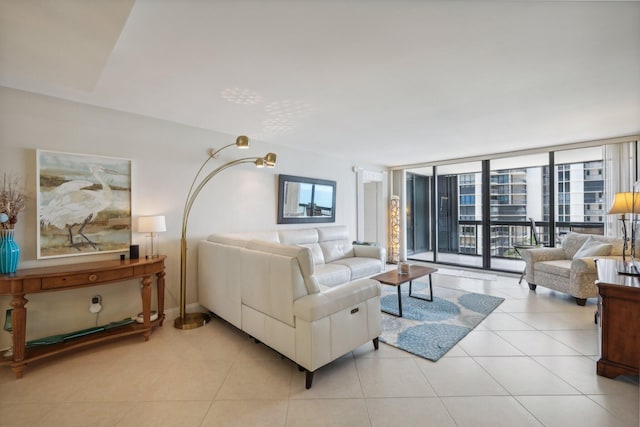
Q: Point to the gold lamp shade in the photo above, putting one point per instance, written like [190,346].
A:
[624,203]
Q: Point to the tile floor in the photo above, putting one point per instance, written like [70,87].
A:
[530,363]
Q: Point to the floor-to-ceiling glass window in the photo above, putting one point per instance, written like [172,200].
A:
[519,196]
[419,222]
[579,192]
[459,213]
[476,214]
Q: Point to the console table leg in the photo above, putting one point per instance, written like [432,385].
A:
[146,305]
[19,325]
[18,369]
[160,288]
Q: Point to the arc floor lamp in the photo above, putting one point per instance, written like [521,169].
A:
[195,320]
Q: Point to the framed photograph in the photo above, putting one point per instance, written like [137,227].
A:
[84,204]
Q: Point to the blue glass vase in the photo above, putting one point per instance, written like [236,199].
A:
[9,252]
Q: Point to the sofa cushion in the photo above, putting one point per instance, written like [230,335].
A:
[560,267]
[360,266]
[592,247]
[335,243]
[302,255]
[332,274]
[298,237]
[572,243]
[336,249]
[307,238]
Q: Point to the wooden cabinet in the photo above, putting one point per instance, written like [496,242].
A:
[74,276]
[619,317]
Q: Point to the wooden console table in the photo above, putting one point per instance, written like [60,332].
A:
[619,321]
[74,276]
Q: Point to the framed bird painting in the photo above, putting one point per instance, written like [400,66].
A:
[84,204]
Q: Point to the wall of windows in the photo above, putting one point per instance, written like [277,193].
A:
[484,209]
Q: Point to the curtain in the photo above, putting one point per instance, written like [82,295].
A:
[619,175]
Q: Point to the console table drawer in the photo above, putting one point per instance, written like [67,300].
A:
[86,278]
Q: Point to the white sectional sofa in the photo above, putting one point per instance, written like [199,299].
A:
[302,292]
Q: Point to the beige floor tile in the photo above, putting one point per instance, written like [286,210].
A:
[246,413]
[500,321]
[250,379]
[456,351]
[562,411]
[196,380]
[488,411]
[487,343]
[165,414]
[583,341]
[49,381]
[327,412]
[559,320]
[83,414]
[524,376]
[385,350]
[580,372]
[460,376]
[408,411]
[392,378]
[624,406]
[24,414]
[338,379]
[536,343]
[107,383]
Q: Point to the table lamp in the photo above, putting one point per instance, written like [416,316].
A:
[152,225]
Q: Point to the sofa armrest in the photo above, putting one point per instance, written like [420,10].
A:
[531,256]
[322,304]
[376,252]
[584,265]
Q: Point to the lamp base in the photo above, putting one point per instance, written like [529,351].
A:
[191,321]
[628,268]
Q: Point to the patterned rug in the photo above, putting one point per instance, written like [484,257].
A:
[431,329]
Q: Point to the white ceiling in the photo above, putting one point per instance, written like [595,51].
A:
[388,82]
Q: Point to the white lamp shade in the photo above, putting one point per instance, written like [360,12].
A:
[151,224]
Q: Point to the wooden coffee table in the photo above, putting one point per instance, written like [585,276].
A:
[396,279]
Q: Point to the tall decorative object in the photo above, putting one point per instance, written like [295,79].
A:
[626,203]
[394,247]
[9,252]
[152,225]
[195,320]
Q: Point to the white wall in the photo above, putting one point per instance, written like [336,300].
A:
[165,157]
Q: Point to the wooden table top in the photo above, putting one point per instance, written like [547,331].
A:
[392,277]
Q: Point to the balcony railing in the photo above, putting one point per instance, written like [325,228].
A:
[506,235]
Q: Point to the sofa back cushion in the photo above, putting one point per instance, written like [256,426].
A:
[335,242]
[242,239]
[304,261]
[307,238]
[574,241]
[592,248]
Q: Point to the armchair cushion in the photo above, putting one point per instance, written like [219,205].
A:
[592,247]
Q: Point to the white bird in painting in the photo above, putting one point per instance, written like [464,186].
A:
[72,205]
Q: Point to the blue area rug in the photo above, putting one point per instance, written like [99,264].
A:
[431,329]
